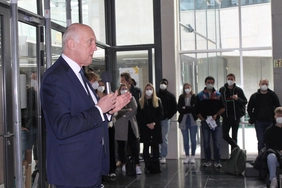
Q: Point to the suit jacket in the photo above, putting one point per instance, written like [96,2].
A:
[77,136]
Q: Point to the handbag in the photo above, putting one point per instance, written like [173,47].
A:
[130,166]
[153,165]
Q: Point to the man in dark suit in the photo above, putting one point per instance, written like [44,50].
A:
[76,120]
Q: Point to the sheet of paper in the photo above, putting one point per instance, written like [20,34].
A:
[211,122]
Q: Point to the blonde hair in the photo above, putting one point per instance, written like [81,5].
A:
[278,110]
[183,89]
[155,99]
[92,75]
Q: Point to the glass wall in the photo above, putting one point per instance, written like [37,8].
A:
[134,25]
[94,15]
[135,63]
[56,44]
[256,25]
[217,43]
[30,5]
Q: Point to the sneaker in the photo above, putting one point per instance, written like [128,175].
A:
[192,160]
[163,160]
[138,170]
[123,168]
[217,165]
[112,175]
[206,164]
[102,186]
[273,183]
[186,160]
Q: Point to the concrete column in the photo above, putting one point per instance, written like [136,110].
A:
[170,68]
[276,7]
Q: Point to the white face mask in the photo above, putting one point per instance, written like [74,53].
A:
[95,85]
[163,86]
[33,83]
[279,120]
[123,91]
[209,86]
[101,88]
[187,91]
[149,92]
[230,82]
[263,87]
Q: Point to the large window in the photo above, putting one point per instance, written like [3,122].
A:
[215,42]
[134,25]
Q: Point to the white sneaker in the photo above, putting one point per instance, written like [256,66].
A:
[163,160]
[206,164]
[186,160]
[138,170]
[217,165]
[123,168]
[273,183]
[192,159]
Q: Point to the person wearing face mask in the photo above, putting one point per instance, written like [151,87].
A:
[235,102]
[101,89]
[209,106]
[93,79]
[150,114]
[169,107]
[261,108]
[272,154]
[187,121]
[136,92]
[126,131]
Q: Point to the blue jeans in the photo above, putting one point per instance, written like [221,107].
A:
[272,163]
[260,129]
[192,129]
[29,139]
[165,129]
[216,136]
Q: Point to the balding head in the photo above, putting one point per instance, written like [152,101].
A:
[79,44]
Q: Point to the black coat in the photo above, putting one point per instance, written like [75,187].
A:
[168,102]
[255,104]
[239,105]
[188,109]
[150,114]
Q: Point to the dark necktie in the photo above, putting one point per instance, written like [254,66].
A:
[86,85]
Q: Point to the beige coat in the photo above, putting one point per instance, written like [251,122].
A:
[121,121]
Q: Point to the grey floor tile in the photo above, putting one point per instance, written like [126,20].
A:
[175,174]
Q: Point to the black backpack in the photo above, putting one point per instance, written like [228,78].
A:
[153,165]
[236,164]
[130,166]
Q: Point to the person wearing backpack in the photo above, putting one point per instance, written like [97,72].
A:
[261,108]
[235,101]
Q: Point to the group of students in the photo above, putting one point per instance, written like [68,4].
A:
[155,109]
[77,115]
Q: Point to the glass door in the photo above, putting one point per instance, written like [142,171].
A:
[6,125]
[1,115]
[29,99]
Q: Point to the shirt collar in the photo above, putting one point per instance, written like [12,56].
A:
[74,66]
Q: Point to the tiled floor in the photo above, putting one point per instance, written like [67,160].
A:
[175,174]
